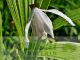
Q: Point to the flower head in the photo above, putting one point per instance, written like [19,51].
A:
[41,24]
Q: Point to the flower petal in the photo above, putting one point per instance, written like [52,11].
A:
[55,11]
[37,24]
[26,40]
[26,31]
[45,21]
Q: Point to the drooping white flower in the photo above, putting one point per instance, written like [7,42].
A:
[41,24]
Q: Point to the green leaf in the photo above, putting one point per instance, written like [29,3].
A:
[15,15]
[61,50]
[1,41]
[34,48]
[21,11]
[26,10]
[39,2]
[45,4]
[1,4]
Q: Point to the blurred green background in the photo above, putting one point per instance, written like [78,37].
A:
[13,18]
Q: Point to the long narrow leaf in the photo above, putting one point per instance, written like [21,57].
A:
[45,4]
[1,43]
[21,11]
[15,15]
[26,10]
[1,4]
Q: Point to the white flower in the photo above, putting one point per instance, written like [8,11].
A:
[41,24]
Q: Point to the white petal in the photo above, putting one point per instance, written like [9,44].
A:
[26,31]
[37,24]
[26,40]
[55,11]
[44,21]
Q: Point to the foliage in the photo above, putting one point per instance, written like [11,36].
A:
[13,18]
[1,43]
[60,51]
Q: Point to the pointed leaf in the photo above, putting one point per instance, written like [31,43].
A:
[1,42]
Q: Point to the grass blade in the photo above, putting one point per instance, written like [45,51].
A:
[26,10]
[1,42]
[21,11]
[15,15]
